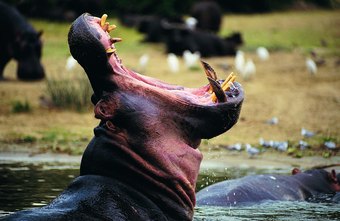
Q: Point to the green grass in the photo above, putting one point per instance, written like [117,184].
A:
[287,30]
[54,38]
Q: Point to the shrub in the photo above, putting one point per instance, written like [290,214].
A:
[21,107]
[70,93]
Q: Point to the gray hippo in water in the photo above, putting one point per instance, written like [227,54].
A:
[311,185]
[143,161]
[19,41]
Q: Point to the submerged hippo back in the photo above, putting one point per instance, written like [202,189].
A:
[249,190]
[313,185]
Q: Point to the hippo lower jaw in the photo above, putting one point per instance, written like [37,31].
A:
[149,130]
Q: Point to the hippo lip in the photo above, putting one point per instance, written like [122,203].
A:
[93,47]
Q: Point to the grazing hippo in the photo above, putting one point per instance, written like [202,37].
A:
[20,41]
[311,185]
[143,161]
[179,38]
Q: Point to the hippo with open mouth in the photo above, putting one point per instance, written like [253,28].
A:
[143,161]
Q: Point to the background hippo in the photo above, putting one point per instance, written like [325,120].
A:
[143,161]
[20,41]
[311,185]
[208,14]
[179,38]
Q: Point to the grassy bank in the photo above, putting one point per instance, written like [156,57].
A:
[282,87]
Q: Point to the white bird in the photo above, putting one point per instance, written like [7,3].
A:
[273,121]
[191,59]
[252,151]
[311,66]
[307,133]
[303,144]
[249,69]
[173,63]
[70,63]
[237,147]
[282,146]
[191,22]
[239,61]
[262,53]
[143,62]
[330,144]
[264,143]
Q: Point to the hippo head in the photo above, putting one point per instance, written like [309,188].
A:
[319,180]
[150,131]
[27,52]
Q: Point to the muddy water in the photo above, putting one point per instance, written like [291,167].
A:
[29,185]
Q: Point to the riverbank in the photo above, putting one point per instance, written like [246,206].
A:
[212,159]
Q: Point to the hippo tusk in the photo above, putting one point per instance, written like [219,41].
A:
[115,40]
[110,50]
[225,86]
[103,20]
[218,91]
[111,27]
[106,25]
[210,72]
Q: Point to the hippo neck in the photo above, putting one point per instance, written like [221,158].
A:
[168,179]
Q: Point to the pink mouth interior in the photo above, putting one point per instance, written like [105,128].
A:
[195,96]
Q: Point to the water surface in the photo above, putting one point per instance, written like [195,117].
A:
[29,185]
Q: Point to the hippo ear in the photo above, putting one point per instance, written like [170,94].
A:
[332,176]
[105,108]
[296,171]
[40,33]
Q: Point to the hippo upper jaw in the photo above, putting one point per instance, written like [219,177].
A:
[149,130]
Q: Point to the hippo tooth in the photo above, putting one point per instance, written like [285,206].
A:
[225,83]
[218,91]
[115,40]
[110,50]
[111,27]
[106,26]
[103,20]
[229,84]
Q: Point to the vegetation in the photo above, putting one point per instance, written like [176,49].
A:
[70,93]
[21,107]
